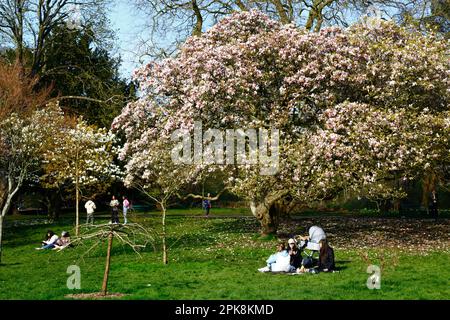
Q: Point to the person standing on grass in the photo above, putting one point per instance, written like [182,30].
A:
[434,205]
[126,206]
[114,204]
[90,207]
[207,205]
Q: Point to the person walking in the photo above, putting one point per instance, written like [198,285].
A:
[114,204]
[125,207]
[207,205]
[90,207]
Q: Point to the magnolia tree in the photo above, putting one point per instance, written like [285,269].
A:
[250,72]
[370,152]
[23,140]
[147,152]
[83,156]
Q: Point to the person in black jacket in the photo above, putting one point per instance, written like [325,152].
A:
[434,205]
[294,253]
[326,259]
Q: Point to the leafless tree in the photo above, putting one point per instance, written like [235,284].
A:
[169,22]
[133,235]
[26,25]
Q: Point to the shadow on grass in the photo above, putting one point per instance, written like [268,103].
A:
[10,264]
[242,225]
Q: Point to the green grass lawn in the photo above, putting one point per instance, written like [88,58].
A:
[208,259]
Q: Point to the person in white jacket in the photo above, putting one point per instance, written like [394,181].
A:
[90,207]
[50,241]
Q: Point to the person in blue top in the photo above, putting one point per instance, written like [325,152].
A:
[207,205]
[279,261]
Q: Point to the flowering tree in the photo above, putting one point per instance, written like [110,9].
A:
[369,152]
[22,142]
[149,166]
[249,71]
[83,156]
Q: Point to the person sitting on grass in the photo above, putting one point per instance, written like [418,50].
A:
[50,242]
[294,254]
[278,261]
[326,260]
[62,242]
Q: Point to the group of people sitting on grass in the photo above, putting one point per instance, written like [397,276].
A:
[54,242]
[293,258]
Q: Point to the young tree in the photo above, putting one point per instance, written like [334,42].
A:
[83,156]
[133,235]
[149,165]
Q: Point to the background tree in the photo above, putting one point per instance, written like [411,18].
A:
[28,24]
[23,141]
[17,94]
[83,157]
[182,18]
[84,77]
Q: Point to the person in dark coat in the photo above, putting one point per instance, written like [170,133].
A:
[294,253]
[434,205]
[326,260]
[207,205]
[326,257]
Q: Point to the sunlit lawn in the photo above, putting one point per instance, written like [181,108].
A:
[208,259]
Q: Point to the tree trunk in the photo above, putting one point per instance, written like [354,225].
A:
[6,205]
[262,211]
[108,261]
[53,202]
[77,219]
[5,209]
[165,258]
[1,236]
[428,183]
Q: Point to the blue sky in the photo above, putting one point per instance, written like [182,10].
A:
[127,22]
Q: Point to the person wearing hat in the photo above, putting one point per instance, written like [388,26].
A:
[294,253]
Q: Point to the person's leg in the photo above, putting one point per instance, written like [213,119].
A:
[207,212]
[125,211]
[48,246]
